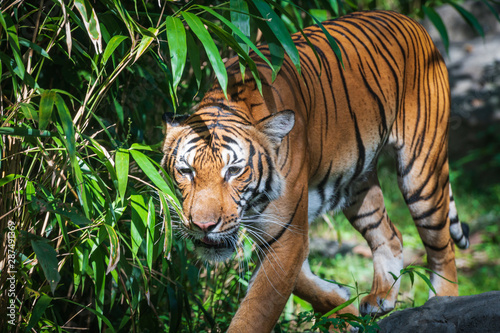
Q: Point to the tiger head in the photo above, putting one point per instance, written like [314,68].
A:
[225,167]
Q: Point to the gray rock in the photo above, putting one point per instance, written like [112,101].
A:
[476,313]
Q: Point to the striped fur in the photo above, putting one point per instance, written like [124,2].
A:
[309,144]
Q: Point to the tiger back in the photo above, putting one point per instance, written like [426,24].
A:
[270,163]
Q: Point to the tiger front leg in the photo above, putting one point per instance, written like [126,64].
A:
[281,258]
[323,295]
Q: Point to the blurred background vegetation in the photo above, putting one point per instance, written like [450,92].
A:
[84,85]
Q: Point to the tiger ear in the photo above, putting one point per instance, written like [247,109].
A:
[277,126]
[171,120]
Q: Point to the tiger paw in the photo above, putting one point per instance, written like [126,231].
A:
[376,304]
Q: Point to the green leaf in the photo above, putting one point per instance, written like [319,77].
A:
[167,226]
[139,221]
[412,277]
[246,41]
[279,30]
[29,111]
[91,23]
[12,34]
[340,307]
[150,238]
[47,258]
[122,162]
[73,215]
[427,281]
[82,190]
[38,310]
[241,21]
[227,38]
[275,48]
[468,17]
[67,124]
[492,9]
[111,47]
[394,276]
[46,106]
[37,48]
[114,250]
[9,178]
[145,42]
[438,23]
[152,173]
[21,131]
[212,52]
[99,280]
[194,58]
[333,43]
[98,314]
[320,15]
[176,35]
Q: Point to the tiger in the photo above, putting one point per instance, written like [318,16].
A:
[271,162]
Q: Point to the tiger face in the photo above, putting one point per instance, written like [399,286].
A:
[227,175]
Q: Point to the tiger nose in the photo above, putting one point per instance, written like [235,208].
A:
[206,226]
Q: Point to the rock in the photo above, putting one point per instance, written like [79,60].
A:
[329,248]
[476,313]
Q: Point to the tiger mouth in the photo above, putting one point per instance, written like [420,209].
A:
[214,244]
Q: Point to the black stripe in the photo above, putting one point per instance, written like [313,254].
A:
[278,236]
[372,226]
[434,248]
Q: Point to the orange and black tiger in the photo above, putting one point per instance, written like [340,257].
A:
[272,162]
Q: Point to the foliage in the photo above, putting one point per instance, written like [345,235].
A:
[83,88]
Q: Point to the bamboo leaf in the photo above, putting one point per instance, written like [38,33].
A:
[153,174]
[46,106]
[275,48]
[91,23]
[438,23]
[241,21]
[333,43]
[208,43]
[29,111]
[279,30]
[114,251]
[98,314]
[340,307]
[12,37]
[176,35]
[20,131]
[111,47]
[194,58]
[47,258]
[145,42]
[492,9]
[37,48]
[427,281]
[150,239]
[139,221]
[246,41]
[38,310]
[167,226]
[99,281]
[9,178]
[67,124]
[82,190]
[227,38]
[468,17]
[122,161]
